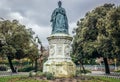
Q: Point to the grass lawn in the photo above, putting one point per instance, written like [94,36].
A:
[19,79]
[110,79]
[33,79]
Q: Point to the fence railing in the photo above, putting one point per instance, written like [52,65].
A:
[97,67]
[5,73]
[112,75]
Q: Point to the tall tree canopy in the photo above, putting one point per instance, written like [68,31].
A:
[98,34]
[15,41]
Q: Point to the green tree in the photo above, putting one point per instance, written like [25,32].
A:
[98,35]
[36,48]
[15,41]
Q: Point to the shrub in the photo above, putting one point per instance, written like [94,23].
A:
[117,71]
[3,68]
[81,71]
[86,71]
[30,74]
[49,76]
[4,62]
[39,73]
[26,69]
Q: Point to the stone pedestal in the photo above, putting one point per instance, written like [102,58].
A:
[59,62]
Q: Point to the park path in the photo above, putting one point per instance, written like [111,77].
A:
[13,74]
[94,73]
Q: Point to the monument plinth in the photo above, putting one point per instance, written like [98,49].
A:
[59,62]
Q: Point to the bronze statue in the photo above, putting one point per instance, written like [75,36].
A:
[59,20]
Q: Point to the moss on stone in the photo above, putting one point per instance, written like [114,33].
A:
[47,64]
[59,64]
[62,69]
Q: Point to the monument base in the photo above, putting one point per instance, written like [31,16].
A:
[59,62]
[60,69]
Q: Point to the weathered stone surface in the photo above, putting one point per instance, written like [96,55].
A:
[61,69]
[59,61]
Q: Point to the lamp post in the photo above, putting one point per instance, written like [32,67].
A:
[115,63]
[38,45]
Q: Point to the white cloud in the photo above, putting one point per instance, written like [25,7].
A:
[36,14]
[71,27]
[16,15]
[42,31]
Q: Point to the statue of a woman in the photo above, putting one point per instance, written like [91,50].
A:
[59,20]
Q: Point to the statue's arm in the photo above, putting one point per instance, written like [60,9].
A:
[53,16]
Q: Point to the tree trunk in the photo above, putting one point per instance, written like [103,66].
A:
[107,70]
[36,65]
[82,66]
[41,59]
[11,65]
[41,63]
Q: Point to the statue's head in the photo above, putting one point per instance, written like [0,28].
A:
[59,3]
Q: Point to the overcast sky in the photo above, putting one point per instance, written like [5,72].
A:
[36,14]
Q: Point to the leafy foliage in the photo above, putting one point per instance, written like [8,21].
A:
[48,75]
[26,69]
[98,34]
[16,40]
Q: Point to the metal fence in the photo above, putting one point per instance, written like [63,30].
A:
[96,67]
